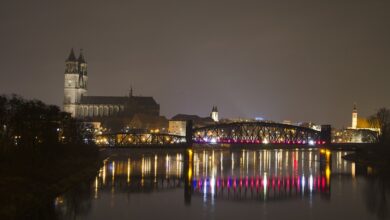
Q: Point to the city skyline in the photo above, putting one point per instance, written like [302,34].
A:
[295,64]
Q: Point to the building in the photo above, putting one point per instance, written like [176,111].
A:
[196,120]
[99,108]
[359,123]
[354,117]
[214,114]
[354,136]
[361,131]
[149,122]
[177,127]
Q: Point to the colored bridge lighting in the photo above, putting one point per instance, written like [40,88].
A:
[213,140]
[265,141]
[311,142]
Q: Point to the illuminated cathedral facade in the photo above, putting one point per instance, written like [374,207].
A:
[82,106]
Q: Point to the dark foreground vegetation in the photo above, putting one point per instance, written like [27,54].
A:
[41,155]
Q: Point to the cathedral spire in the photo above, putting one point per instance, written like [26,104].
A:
[131,91]
[71,57]
[81,57]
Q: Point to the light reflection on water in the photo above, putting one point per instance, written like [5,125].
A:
[214,177]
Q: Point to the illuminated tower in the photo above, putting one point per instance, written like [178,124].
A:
[214,113]
[354,117]
[75,84]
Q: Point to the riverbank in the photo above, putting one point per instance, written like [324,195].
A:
[377,156]
[31,179]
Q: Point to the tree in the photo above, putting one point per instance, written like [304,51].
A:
[381,119]
[29,123]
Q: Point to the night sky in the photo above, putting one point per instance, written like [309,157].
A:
[296,60]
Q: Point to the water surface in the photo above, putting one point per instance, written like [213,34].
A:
[228,184]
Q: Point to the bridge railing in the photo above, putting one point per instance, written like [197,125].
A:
[124,139]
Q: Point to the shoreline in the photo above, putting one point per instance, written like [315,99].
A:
[29,193]
[378,158]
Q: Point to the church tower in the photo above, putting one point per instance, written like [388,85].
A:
[75,84]
[354,117]
[214,113]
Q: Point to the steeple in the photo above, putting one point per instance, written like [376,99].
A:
[81,57]
[214,113]
[71,57]
[131,91]
[354,116]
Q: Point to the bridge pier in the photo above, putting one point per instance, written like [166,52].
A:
[189,132]
[326,134]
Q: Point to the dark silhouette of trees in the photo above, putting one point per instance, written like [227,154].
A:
[381,119]
[41,155]
[29,123]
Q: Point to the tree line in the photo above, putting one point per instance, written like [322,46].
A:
[28,123]
[381,119]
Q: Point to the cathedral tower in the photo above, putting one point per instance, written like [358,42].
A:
[214,113]
[75,84]
[354,117]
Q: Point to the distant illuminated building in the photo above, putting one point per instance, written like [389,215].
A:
[359,123]
[259,119]
[361,131]
[196,120]
[354,136]
[354,117]
[310,125]
[214,114]
[177,127]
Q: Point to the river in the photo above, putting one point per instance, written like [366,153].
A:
[224,183]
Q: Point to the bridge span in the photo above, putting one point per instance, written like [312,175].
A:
[257,133]
[260,133]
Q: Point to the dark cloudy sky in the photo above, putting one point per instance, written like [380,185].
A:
[298,60]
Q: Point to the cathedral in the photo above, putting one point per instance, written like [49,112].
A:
[99,108]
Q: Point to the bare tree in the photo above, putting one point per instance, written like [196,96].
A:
[381,119]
